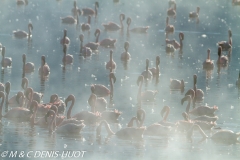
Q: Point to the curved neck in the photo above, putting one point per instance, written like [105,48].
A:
[51,125]
[166,114]
[30,99]
[98,130]
[188,105]
[111,88]
[32,121]
[70,109]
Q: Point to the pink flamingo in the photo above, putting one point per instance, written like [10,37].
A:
[147,74]
[136,29]
[65,39]
[70,19]
[171,12]
[176,84]
[111,26]
[67,58]
[85,51]
[226,45]
[208,63]
[155,70]
[169,28]
[90,11]
[175,44]
[37,96]
[128,133]
[222,136]
[222,60]
[111,65]
[56,101]
[6,61]
[198,111]
[18,114]
[69,128]
[90,118]
[93,45]
[27,67]
[44,70]
[24,34]
[146,96]
[107,42]
[155,129]
[125,56]
[86,26]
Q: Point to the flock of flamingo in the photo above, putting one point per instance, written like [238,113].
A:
[27,106]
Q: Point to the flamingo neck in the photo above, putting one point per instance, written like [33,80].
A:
[139,93]
[30,99]
[32,121]
[52,124]
[110,132]
[97,38]
[70,109]
[208,57]
[1,106]
[121,22]
[111,88]
[188,105]
[166,115]
[140,122]
[81,46]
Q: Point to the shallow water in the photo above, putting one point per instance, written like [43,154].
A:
[216,17]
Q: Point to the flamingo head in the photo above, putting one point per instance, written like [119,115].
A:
[229,33]
[97,32]
[27,92]
[43,59]
[71,97]
[190,92]
[49,113]
[129,20]
[30,26]
[97,4]
[140,79]
[122,17]
[112,76]
[53,98]
[19,95]
[198,9]
[126,46]
[3,51]
[165,109]
[181,36]
[75,4]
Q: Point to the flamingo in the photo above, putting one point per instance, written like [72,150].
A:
[222,136]
[69,128]
[85,51]
[164,122]
[198,93]
[100,90]
[171,12]
[67,58]
[155,70]
[44,70]
[226,45]
[198,111]
[170,48]
[18,114]
[65,39]
[147,74]
[169,28]
[136,29]
[222,60]
[22,2]
[37,96]
[175,44]
[236,2]
[24,34]
[27,67]
[128,133]
[148,95]
[194,14]
[111,26]
[111,65]
[100,104]
[86,26]
[93,45]
[176,84]
[208,63]
[75,9]
[125,56]
[89,11]
[107,42]
[6,61]
[56,101]
[90,118]
[70,19]
[155,129]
